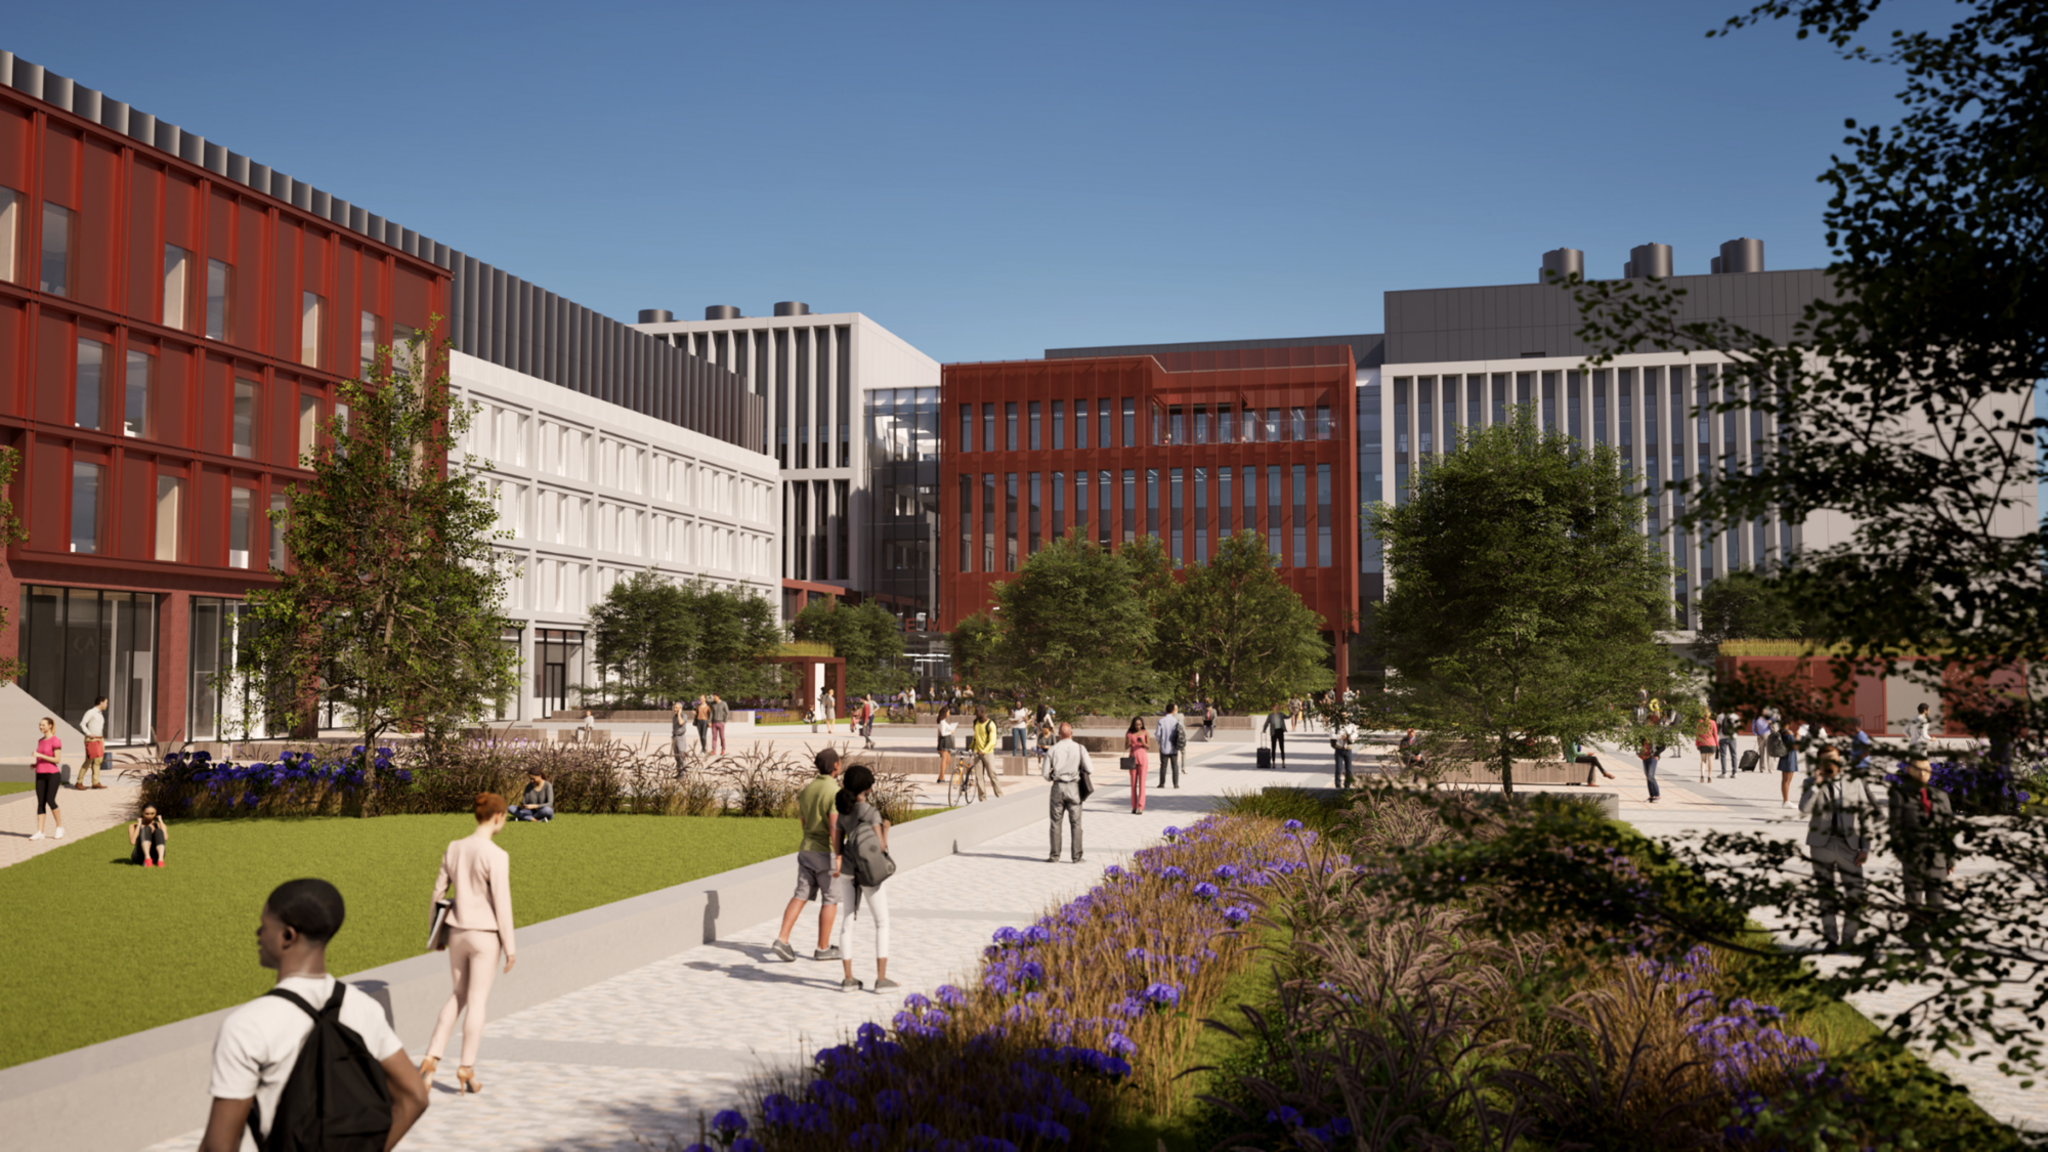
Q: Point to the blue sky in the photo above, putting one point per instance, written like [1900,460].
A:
[992,180]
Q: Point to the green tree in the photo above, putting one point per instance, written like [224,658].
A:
[868,637]
[1236,629]
[1076,630]
[647,637]
[390,607]
[737,630]
[1523,598]
[1744,605]
[976,645]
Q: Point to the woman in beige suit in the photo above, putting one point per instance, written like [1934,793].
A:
[477,876]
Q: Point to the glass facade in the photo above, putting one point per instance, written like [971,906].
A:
[78,644]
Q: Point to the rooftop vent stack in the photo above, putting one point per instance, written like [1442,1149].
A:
[1744,255]
[656,316]
[792,308]
[1565,262]
[1648,262]
[721,312]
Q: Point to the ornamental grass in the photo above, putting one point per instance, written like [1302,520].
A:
[597,779]
[1080,1019]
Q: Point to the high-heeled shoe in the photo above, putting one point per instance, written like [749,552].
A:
[427,1067]
[467,1075]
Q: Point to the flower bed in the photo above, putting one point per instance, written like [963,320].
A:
[1071,1021]
[328,780]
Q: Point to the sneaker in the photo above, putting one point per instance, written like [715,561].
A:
[886,985]
[782,950]
[38,835]
[831,953]
[849,985]
[60,831]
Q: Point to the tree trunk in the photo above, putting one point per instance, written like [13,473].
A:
[1507,768]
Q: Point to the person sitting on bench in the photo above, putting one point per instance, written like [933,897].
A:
[146,838]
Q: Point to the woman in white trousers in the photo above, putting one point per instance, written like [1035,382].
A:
[477,875]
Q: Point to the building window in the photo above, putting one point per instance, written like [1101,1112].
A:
[244,432]
[136,417]
[1010,426]
[966,520]
[1323,524]
[1174,523]
[967,427]
[1059,501]
[988,427]
[220,288]
[1251,501]
[1201,515]
[1130,505]
[1201,425]
[215,632]
[309,427]
[402,349]
[1103,496]
[177,286]
[1226,430]
[170,518]
[1176,429]
[85,405]
[1274,428]
[1275,542]
[1036,506]
[87,481]
[1152,502]
[10,231]
[1325,429]
[277,506]
[241,511]
[56,265]
[312,317]
[78,644]
[1298,424]
[1081,504]
[1010,519]
[1081,413]
[1299,491]
[1059,426]
[1130,422]
[988,521]
[367,351]
[1034,426]
[1225,505]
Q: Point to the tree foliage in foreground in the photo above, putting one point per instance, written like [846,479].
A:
[1232,631]
[1523,599]
[391,607]
[867,636]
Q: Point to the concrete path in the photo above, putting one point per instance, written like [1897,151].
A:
[84,814]
[1751,802]
[641,1055]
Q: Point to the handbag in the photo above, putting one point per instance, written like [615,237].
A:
[1086,786]
[437,933]
[1128,763]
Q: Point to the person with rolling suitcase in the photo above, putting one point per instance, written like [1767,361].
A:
[1275,730]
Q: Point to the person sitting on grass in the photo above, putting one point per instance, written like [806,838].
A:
[259,1043]
[538,801]
[146,839]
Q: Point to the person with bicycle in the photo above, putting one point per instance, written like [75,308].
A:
[982,768]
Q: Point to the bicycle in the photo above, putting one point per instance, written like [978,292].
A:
[959,777]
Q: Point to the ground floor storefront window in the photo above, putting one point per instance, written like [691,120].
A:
[78,644]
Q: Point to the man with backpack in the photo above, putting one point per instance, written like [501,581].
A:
[312,1063]
[1172,735]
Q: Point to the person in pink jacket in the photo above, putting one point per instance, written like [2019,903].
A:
[477,875]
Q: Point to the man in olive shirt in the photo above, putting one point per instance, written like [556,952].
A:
[815,863]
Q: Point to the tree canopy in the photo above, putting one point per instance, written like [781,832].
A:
[659,641]
[391,604]
[1075,629]
[1234,632]
[1523,599]
[867,636]
[1744,605]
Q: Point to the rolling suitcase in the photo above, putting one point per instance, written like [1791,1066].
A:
[1265,758]
[1748,761]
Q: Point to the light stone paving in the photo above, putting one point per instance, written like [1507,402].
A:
[85,813]
[626,1063]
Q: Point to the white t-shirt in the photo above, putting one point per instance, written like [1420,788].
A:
[260,1041]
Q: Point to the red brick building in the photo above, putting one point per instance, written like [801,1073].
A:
[1186,446]
[171,335]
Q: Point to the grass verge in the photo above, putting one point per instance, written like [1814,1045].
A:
[95,948]
[9,787]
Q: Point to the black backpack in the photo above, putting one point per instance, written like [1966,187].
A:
[336,1099]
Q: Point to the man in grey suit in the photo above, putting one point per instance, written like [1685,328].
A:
[1922,830]
[1838,827]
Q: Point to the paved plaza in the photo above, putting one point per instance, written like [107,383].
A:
[626,1062]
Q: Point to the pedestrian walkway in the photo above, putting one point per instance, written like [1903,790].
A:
[641,1055]
[85,813]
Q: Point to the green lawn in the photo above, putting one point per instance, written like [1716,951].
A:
[94,948]
[10,787]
